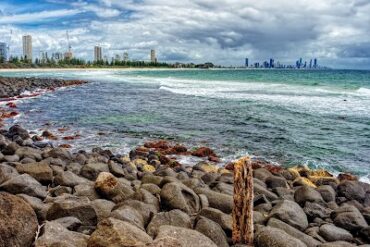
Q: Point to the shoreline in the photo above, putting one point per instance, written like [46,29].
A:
[150,199]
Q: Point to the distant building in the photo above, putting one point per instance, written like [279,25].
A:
[153,56]
[27,47]
[117,58]
[125,56]
[44,56]
[3,52]
[57,56]
[310,66]
[68,55]
[246,62]
[315,65]
[271,65]
[98,56]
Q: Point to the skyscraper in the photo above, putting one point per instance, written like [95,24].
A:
[125,56]
[246,62]
[27,47]
[3,52]
[271,65]
[315,63]
[153,57]
[97,54]
[310,63]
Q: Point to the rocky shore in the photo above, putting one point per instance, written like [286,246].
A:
[15,86]
[52,197]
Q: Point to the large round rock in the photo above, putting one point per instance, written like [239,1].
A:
[18,221]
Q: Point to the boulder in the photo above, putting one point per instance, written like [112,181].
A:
[18,221]
[327,192]
[27,152]
[306,239]
[116,169]
[307,193]
[88,190]
[68,178]
[275,181]
[260,190]
[212,230]
[290,213]
[147,197]
[103,208]
[186,237]
[174,217]
[79,207]
[40,171]
[108,186]
[331,233]
[60,153]
[24,184]
[129,214]
[217,200]
[92,170]
[56,234]
[7,172]
[116,233]
[314,210]
[145,210]
[17,130]
[224,220]
[178,196]
[37,205]
[71,223]
[337,244]
[167,241]
[352,190]
[273,237]
[349,218]
[262,174]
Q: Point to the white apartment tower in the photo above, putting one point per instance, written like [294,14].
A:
[97,54]
[27,47]
[153,56]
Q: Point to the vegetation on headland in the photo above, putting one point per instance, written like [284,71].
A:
[15,63]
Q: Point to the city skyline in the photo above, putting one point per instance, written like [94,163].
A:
[195,30]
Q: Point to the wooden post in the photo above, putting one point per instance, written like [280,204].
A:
[243,202]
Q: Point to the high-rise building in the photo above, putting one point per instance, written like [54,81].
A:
[27,47]
[125,56]
[153,57]
[97,54]
[3,52]
[57,56]
[315,63]
[271,65]
[310,64]
[246,62]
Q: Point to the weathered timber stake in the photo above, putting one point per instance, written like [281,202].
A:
[243,202]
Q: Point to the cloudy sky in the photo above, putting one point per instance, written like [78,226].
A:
[337,32]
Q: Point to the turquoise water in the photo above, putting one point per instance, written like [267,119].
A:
[320,118]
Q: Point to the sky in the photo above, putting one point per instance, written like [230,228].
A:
[224,32]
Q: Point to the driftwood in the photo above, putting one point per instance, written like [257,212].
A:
[243,202]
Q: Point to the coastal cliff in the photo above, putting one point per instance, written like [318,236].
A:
[50,196]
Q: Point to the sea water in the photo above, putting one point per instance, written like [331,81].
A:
[316,117]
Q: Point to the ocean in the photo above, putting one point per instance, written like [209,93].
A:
[320,118]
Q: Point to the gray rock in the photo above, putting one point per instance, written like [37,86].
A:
[70,179]
[178,196]
[174,217]
[37,205]
[306,239]
[110,188]
[331,233]
[11,158]
[260,190]
[352,190]
[337,244]
[212,230]
[186,237]
[290,213]
[217,200]
[262,174]
[60,153]
[26,152]
[327,192]
[129,214]
[116,169]
[40,171]
[315,210]
[18,221]
[146,210]
[152,188]
[7,172]
[273,237]
[275,181]
[71,223]
[86,189]
[349,218]
[24,184]
[307,193]
[102,208]
[224,220]
[151,179]
[92,170]
[56,234]
[112,232]
[60,190]
[147,197]
[79,207]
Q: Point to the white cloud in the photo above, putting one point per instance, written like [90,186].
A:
[38,16]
